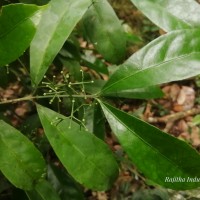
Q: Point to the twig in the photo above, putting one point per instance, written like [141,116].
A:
[175,116]
[31,98]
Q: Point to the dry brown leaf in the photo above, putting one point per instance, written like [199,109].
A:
[174,92]
[185,136]
[23,109]
[182,126]
[177,107]
[195,136]
[185,99]
[125,107]
[178,98]
[102,196]
[166,91]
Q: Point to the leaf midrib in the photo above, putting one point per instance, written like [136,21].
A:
[77,149]
[19,23]
[51,38]
[146,69]
[48,41]
[19,161]
[146,143]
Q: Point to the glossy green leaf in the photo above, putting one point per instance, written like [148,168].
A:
[20,162]
[174,56]
[56,24]
[81,153]
[159,156]
[63,184]
[43,191]
[138,93]
[17,29]
[104,30]
[171,14]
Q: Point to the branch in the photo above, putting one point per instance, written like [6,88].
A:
[31,98]
[175,116]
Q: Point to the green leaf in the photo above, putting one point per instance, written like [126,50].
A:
[38,2]
[63,184]
[30,124]
[95,87]
[171,14]
[95,64]
[20,162]
[16,30]
[81,153]
[73,67]
[43,191]
[104,30]
[71,49]
[138,93]
[56,24]
[159,156]
[133,38]
[196,120]
[95,121]
[174,56]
